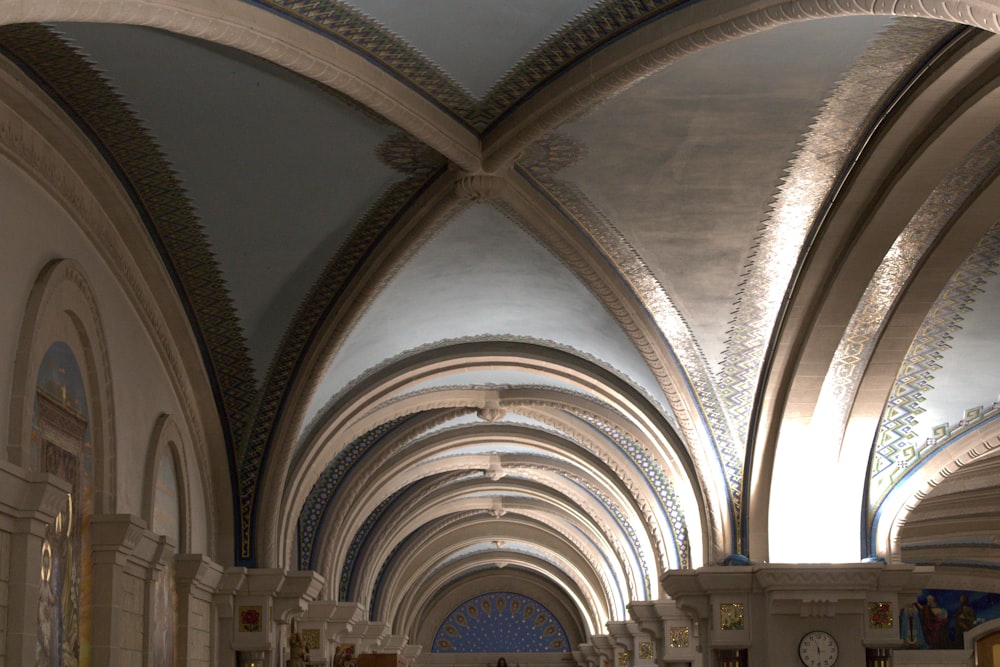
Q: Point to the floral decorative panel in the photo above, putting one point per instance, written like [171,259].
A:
[731,616]
[880,615]
[251,618]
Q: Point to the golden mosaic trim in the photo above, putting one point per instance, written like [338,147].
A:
[731,616]
[880,616]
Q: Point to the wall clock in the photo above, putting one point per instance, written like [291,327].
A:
[818,649]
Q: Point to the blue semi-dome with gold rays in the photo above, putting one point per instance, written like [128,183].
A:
[500,622]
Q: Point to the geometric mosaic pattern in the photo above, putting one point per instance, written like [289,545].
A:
[727,454]
[325,488]
[888,282]
[248,412]
[358,542]
[898,449]
[728,398]
[315,307]
[500,623]
[626,528]
[658,482]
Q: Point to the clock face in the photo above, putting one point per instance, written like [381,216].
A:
[818,649]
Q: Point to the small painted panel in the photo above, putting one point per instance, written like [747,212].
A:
[251,618]
[624,658]
[645,650]
[880,615]
[680,637]
[731,616]
[310,638]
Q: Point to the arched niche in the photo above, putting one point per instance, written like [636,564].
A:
[62,309]
[61,423]
[166,501]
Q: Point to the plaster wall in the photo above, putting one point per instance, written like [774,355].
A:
[36,230]
[931,658]
[131,597]
[4,592]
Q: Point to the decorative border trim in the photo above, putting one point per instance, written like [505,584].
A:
[160,200]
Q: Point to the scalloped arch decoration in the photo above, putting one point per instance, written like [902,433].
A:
[501,623]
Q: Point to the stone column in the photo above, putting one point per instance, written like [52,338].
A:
[672,631]
[343,618]
[263,602]
[29,503]
[224,605]
[197,579]
[123,555]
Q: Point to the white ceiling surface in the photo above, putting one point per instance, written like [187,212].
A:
[482,275]
[475,41]
[278,170]
[970,372]
[727,121]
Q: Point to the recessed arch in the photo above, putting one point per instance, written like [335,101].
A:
[62,307]
[922,478]
[167,447]
[424,611]
[353,415]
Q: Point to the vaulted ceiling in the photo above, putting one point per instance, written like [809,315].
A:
[568,293]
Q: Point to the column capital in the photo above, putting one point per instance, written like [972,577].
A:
[197,573]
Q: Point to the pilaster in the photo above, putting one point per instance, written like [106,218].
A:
[672,631]
[258,604]
[197,578]
[124,553]
[29,503]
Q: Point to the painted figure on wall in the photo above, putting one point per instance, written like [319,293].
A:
[166,521]
[935,622]
[62,447]
[939,619]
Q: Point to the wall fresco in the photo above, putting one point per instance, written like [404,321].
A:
[61,446]
[939,619]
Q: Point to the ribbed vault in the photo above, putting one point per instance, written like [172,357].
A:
[649,292]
